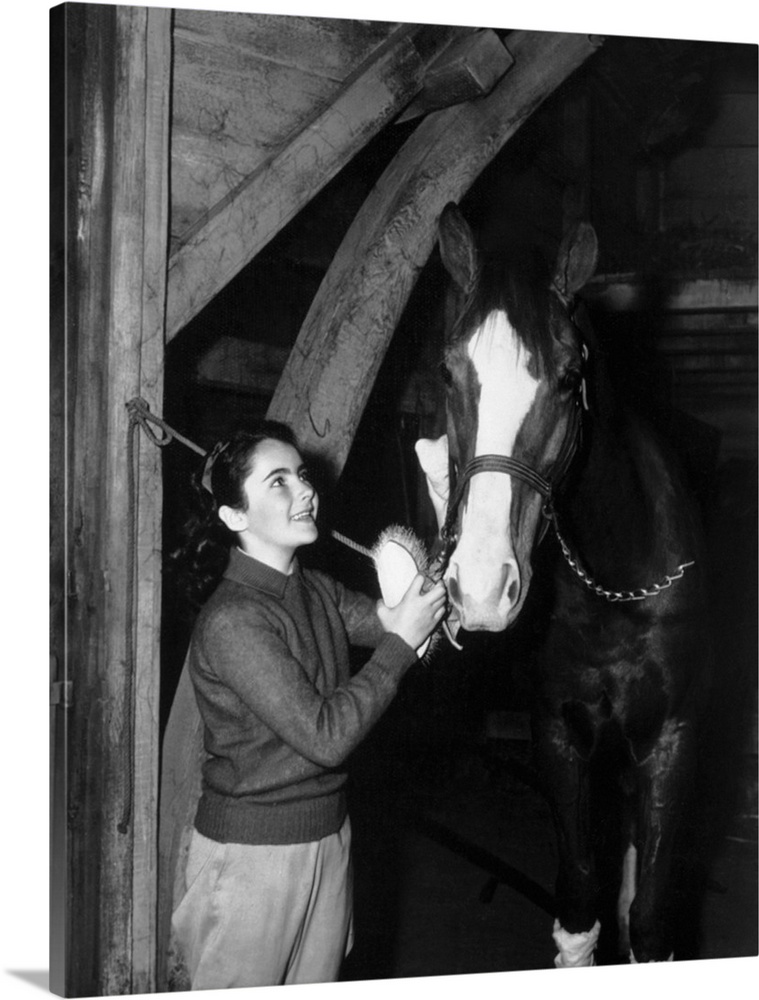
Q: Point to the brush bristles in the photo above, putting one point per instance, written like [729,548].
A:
[398,556]
[406,538]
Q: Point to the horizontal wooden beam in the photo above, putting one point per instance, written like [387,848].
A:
[724,342]
[633,293]
[243,223]
[242,365]
[341,345]
[720,362]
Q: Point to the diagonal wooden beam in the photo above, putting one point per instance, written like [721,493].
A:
[244,222]
[332,367]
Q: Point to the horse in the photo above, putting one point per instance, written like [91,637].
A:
[546,480]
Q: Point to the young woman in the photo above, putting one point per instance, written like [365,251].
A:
[268,881]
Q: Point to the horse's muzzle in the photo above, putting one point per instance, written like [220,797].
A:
[486,602]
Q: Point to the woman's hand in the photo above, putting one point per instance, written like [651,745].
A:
[417,614]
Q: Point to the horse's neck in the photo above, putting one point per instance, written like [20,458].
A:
[626,507]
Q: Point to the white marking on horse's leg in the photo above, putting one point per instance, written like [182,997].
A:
[575,950]
[634,961]
[624,902]
[626,896]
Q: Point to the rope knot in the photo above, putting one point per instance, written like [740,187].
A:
[140,416]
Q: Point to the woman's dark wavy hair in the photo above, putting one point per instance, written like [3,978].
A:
[199,562]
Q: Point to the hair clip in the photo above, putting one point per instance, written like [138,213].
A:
[217,450]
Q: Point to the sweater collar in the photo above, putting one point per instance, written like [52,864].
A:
[249,571]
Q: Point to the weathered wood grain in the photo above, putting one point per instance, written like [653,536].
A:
[150,332]
[241,224]
[119,131]
[467,69]
[329,47]
[233,105]
[333,365]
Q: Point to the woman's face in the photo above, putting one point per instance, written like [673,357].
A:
[281,506]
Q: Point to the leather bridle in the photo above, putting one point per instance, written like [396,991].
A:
[514,467]
[547,487]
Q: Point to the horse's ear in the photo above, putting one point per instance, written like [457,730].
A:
[576,260]
[457,247]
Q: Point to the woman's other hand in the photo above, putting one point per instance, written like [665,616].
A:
[417,614]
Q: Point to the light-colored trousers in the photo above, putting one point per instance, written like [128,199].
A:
[266,915]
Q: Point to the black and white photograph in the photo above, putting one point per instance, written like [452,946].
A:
[402,436]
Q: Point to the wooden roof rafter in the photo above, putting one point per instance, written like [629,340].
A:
[212,250]
[332,367]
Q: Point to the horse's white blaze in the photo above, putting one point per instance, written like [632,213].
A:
[507,388]
[484,561]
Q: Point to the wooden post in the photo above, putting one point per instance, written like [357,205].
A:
[117,192]
[57,380]
[332,367]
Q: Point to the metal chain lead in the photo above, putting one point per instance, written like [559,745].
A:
[616,596]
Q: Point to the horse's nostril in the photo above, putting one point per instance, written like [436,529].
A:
[511,582]
[454,591]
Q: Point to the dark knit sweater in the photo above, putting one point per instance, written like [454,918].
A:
[269,659]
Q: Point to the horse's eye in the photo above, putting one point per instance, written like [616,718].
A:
[445,373]
[570,381]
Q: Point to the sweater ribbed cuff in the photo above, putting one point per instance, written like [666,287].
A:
[394,655]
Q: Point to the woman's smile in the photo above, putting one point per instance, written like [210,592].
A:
[304,515]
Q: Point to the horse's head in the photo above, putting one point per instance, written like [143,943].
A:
[513,367]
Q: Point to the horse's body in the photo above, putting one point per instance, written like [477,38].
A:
[619,668]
